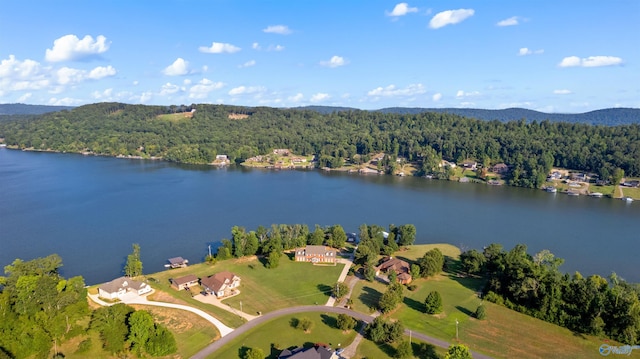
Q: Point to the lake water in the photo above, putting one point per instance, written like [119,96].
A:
[89,210]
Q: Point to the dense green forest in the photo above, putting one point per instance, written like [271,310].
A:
[530,149]
[534,285]
[40,309]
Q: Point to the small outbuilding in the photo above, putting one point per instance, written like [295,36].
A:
[178,262]
[184,282]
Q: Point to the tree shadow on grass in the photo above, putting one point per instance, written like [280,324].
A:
[242,351]
[294,322]
[424,350]
[387,349]
[413,304]
[325,289]
[465,311]
[330,321]
[370,297]
[454,271]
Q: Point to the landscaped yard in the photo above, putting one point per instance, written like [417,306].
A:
[279,334]
[262,289]
[369,349]
[631,192]
[504,334]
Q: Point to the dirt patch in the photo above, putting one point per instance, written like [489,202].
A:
[245,259]
[237,116]
[160,296]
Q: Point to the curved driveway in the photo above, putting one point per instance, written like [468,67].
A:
[210,349]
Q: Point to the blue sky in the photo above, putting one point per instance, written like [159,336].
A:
[553,56]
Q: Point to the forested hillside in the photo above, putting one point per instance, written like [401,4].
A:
[24,109]
[530,149]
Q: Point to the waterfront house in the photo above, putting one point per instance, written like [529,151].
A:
[634,183]
[470,165]
[184,282]
[500,168]
[178,262]
[121,286]
[402,269]
[316,254]
[222,158]
[281,152]
[221,284]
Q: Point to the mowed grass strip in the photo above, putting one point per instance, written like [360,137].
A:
[279,334]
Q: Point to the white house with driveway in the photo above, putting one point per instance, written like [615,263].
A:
[121,286]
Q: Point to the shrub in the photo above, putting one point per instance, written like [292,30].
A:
[84,346]
[412,287]
[433,303]
[494,298]
[481,312]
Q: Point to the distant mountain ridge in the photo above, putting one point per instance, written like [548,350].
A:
[607,116]
[24,109]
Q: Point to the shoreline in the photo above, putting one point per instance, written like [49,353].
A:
[618,193]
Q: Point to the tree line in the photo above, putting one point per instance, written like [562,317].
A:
[534,285]
[530,149]
[40,309]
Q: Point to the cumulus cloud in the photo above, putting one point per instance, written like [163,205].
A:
[249,63]
[179,67]
[66,101]
[296,98]
[244,90]
[277,29]
[103,95]
[256,46]
[219,48]
[462,94]
[17,75]
[70,47]
[526,51]
[71,76]
[319,97]
[402,9]
[335,61]
[436,97]
[169,89]
[392,90]
[275,48]
[562,92]
[203,88]
[512,21]
[591,61]
[450,17]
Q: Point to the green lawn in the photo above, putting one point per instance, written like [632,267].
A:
[631,192]
[279,334]
[369,349]
[264,289]
[504,334]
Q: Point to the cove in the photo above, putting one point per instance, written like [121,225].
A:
[89,210]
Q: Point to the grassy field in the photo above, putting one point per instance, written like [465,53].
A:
[280,334]
[631,192]
[173,117]
[607,191]
[192,333]
[262,289]
[504,334]
[369,349]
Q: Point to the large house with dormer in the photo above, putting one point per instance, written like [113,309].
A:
[221,284]
[316,254]
[121,286]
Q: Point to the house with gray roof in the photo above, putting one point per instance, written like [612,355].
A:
[121,286]
[315,352]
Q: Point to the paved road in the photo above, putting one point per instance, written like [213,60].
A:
[210,349]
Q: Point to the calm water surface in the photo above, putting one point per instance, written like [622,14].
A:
[90,210]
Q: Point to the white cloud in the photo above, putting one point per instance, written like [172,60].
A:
[168,89]
[402,9]
[450,17]
[562,92]
[145,97]
[275,48]
[277,29]
[256,46]
[526,51]
[243,90]
[104,95]
[24,97]
[187,81]
[203,87]
[70,47]
[512,21]
[177,68]
[392,90]
[71,76]
[101,72]
[591,61]
[461,94]
[436,97]
[249,63]
[319,97]
[16,75]
[219,48]
[335,61]
[296,98]
[135,83]
[66,101]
